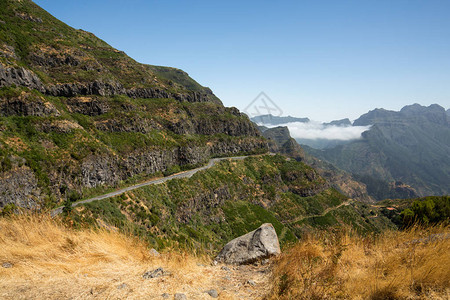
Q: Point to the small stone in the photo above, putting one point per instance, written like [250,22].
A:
[154,274]
[213,293]
[153,252]
[165,296]
[179,296]
[122,286]
[214,263]
[200,265]
[7,265]
[264,262]
[251,282]
[225,268]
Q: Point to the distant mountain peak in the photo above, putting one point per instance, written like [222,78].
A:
[275,120]
[434,113]
[342,122]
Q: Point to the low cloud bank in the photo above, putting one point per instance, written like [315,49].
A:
[315,130]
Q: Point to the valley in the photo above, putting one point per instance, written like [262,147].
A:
[124,180]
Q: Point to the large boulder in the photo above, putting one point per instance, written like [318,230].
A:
[251,247]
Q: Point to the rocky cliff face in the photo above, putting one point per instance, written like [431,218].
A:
[27,78]
[19,186]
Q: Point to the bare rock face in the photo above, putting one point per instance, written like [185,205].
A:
[251,247]
[21,77]
[19,187]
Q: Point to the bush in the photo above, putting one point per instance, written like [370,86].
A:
[427,211]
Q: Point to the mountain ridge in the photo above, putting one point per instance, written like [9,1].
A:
[410,146]
[77,114]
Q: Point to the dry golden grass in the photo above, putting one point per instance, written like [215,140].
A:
[51,261]
[396,265]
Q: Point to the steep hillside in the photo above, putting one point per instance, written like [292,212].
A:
[77,114]
[404,154]
[228,200]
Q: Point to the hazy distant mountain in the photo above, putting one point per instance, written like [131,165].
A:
[410,147]
[274,120]
[343,122]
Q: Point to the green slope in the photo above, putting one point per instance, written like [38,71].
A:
[230,199]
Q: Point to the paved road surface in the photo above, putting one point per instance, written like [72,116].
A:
[186,174]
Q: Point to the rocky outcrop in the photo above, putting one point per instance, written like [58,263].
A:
[19,186]
[54,60]
[87,106]
[82,89]
[99,170]
[28,17]
[27,106]
[20,77]
[259,244]
[282,142]
[213,126]
[24,77]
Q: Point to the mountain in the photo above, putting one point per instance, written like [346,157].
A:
[342,122]
[77,114]
[403,154]
[274,120]
[340,180]
[282,142]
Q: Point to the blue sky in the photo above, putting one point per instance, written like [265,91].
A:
[319,59]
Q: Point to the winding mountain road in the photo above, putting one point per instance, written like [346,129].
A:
[185,174]
[301,218]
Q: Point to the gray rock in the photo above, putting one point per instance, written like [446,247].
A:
[213,293]
[153,252]
[225,268]
[179,296]
[7,265]
[251,282]
[122,286]
[20,77]
[165,296]
[19,187]
[253,246]
[154,274]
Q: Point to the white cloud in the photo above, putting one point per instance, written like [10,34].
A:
[315,130]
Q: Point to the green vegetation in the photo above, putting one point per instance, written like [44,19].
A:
[427,211]
[228,200]
[60,144]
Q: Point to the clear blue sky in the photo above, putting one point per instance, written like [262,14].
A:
[319,59]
